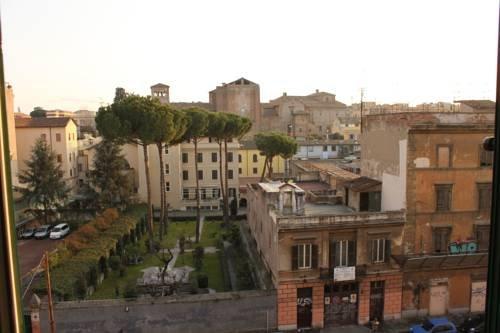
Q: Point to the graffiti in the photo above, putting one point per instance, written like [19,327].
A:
[463,247]
[304,301]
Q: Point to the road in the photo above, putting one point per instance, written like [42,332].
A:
[30,252]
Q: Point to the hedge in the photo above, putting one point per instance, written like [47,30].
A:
[80,266]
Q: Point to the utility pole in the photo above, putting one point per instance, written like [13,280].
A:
[49,293]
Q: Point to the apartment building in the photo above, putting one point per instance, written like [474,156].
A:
[432,165]
[330,263]
[251,162]
[326,149]
[61,136]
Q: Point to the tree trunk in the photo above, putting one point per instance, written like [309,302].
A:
[270,168]
[149,213]
[223,193]
[162,187]
[263,170]
[197,190]
[226,190]
[45,213]
[165,206]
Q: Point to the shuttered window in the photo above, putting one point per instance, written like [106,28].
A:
[304,256]
[343,253]
[441,239]
[484,196]
[443,198]
[483,236]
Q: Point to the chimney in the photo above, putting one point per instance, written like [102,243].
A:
[317,91]
[284,94]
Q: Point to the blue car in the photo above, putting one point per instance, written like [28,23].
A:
[435,325]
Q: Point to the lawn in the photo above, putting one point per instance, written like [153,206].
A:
[210,233]
[211,267]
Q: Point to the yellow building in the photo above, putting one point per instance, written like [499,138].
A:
[251,162]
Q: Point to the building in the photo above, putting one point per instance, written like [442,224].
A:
[251,162]
[303,117]
[348,127]
[86,153]
[326,149]
[85,120]
[58,114]
[330,263]
[61,136]
[432,165]
[240,97]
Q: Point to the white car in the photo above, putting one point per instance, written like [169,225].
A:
[59,231]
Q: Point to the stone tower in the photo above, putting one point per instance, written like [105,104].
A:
[160,91]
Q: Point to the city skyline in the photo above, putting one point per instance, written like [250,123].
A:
[72,56]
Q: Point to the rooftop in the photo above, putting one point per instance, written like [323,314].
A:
[274,186]
[40,122]
[312,209]
[361,184]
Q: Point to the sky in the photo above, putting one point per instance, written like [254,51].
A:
[70,55]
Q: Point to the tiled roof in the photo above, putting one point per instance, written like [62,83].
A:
[42,122]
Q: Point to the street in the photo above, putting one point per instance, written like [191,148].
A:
[30,251]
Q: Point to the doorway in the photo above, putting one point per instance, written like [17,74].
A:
[377,289]
[304,307]
[438,300]
[341,304]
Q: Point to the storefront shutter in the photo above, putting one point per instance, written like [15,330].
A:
[295,257]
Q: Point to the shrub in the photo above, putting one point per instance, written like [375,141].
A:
[114,262]
[110,214]
[123,271]
[198,255]
[202,281]
[182,242]
[81,287]
[130,290]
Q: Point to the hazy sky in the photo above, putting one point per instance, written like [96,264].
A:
[72,54]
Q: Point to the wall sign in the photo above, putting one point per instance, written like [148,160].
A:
[344,273]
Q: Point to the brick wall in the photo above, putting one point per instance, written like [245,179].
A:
[287,304]
[392,297]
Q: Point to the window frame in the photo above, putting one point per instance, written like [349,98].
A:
[306,255]
[437,188]
[185,175]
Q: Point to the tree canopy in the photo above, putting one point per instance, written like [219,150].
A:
[272,144]
[45,190]
[38,112]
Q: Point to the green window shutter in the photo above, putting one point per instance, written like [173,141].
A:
[387,250]
[314,256]
[295,257]
[351,251]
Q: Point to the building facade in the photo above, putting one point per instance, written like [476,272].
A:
[331,265]
[251,162]
[61,136]
[432,165]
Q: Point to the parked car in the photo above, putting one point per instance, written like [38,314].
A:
[434,325]
[472,324]
[28,233]
[42,231]
[59,231]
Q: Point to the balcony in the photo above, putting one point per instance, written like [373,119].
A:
[442,261]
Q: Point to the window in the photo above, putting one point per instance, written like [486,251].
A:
[214,157]
[167,186]
[239,171]
[230,174]
[59,158]
[69,156]
[44,137]
[443,198]
[255,171]
[69,136]
[203,193]
[185,175]
[184,157]
[58,137]
[379,250]
[485,157]
[484,196]
[443,156]
[185,194]
[215,193]
[167,168]
[200,158]
[254,158]
[239,158]
[80,167]
[232,192]
[200,174]
[343,253]
[304,256]
[482,237]
[229,157]
[71,172]
[325,148]
[214,174]
[210,140]
[166,149]
[441,239]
